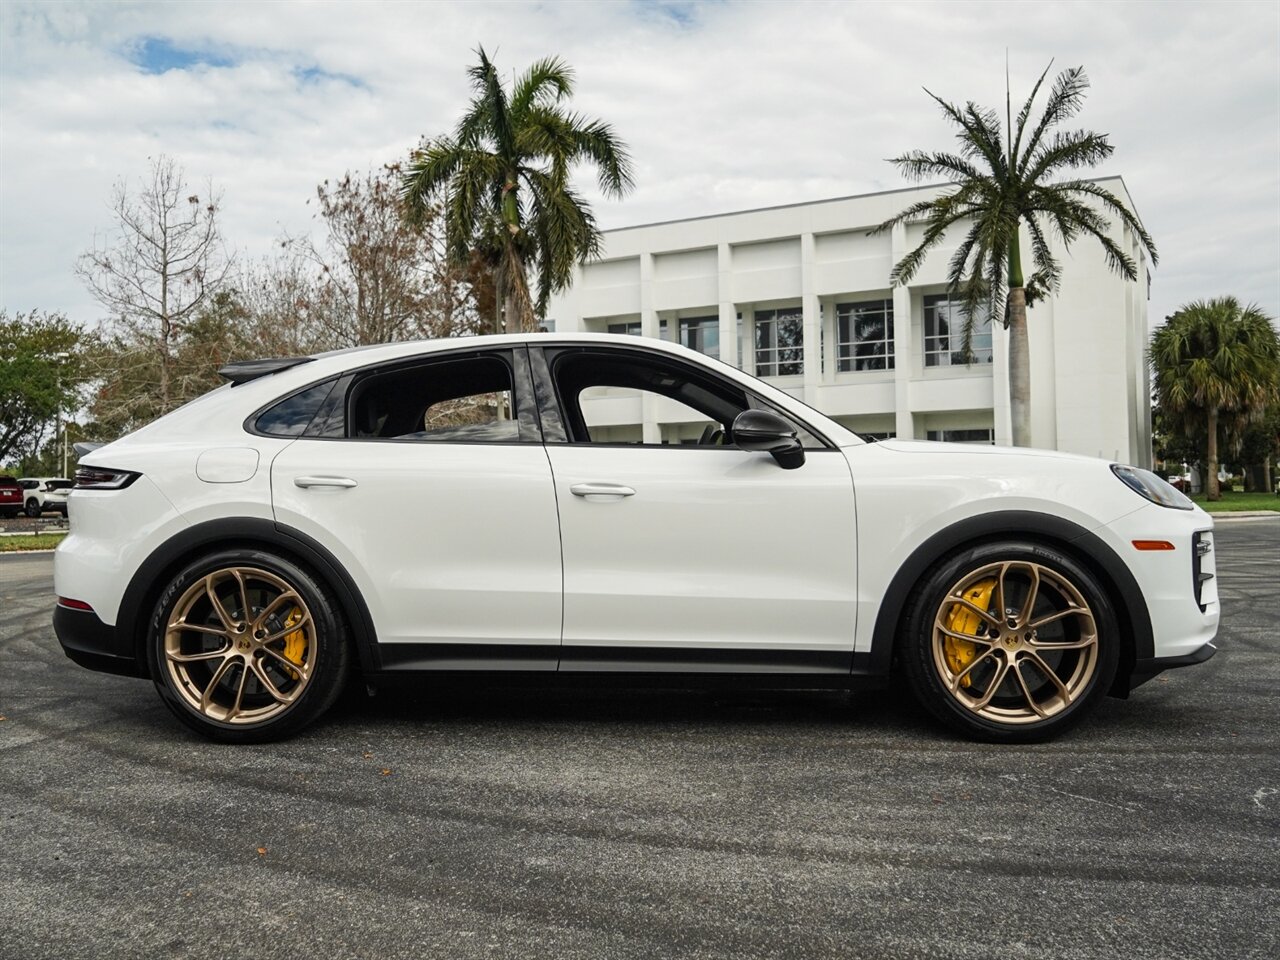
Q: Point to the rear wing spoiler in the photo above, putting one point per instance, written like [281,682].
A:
[242,371]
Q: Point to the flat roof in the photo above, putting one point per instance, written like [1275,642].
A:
[852,196]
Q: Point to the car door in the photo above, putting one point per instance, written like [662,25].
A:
[682,553]
[427,480]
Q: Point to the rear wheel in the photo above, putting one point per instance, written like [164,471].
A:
[246,646]
[1012,642]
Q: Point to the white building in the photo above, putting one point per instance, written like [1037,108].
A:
[800,295]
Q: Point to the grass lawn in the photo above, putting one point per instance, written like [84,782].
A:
[1233,502]
[39,541]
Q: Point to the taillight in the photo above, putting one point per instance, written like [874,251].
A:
[74,604]
[100,478]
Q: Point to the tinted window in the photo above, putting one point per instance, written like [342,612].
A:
[606,396]
[291,416]
[468,399]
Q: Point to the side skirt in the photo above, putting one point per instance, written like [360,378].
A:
[591,666]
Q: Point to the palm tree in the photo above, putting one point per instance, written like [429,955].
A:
[1001,184]
[503,179]
[1214,359]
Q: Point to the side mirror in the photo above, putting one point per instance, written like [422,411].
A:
[765,431]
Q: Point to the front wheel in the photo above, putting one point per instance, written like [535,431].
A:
[247,647]
[1010,642]
[33,507]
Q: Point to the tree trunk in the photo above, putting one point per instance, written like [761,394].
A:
[1266,475]
[1211,480]
[512,310]
[499,297]
[1019,368]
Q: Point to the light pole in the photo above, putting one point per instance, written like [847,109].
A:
[61,356]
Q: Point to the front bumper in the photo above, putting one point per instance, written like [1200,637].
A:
[1145,670]
[94,644]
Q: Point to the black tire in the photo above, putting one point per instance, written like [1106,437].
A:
[33,507]
[329,651]
[1026,705]
[8,514]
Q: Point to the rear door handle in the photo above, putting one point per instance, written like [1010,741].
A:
[307,482]
[603,491]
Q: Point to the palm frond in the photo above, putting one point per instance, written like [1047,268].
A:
[1078,148]
[1065,100]
[918,165]
[1112,204]
[973,141]
[544,83]
[1024,114]
[490,111]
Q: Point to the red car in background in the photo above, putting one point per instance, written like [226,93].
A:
[10,497]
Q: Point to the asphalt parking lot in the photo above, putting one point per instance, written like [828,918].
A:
[480,822]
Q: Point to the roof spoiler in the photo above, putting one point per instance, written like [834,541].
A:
[242,371]
[85,447]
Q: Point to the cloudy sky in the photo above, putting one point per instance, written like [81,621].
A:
[726,106]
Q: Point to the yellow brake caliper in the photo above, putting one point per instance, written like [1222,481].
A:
[961,653]
[295,643]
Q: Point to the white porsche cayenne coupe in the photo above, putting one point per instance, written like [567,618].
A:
[512,504]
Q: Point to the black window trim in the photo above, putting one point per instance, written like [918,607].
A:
[553,417]
[515,356]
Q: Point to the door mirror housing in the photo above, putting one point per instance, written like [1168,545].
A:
[765,431]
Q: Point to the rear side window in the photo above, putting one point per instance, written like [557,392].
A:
[467,400]
[292,415]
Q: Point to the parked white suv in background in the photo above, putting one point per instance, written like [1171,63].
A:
[474,505]
[45,493]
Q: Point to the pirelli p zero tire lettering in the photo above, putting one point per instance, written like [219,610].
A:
[1009,642]
[246,646]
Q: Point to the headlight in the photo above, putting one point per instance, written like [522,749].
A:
[1146,484]
[100,478]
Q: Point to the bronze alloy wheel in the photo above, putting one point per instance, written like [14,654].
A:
[1015,642]
[240,645]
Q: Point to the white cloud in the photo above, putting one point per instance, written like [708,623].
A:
[725,106]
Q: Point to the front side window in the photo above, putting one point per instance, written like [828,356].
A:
[469,399]
[780,342]
[944,320]
[605,396]
[864,336]
[701,334]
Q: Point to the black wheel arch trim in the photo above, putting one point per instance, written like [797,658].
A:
[150,578]
[1086,547]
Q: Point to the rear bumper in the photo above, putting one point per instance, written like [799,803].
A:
[94,644]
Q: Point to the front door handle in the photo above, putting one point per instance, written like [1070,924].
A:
[307,482]
[602,491]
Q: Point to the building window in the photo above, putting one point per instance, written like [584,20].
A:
[864,336]
[962,436]
[944,334]
[701,334]
[631,328]
[779,342]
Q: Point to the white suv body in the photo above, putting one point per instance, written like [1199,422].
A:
[45,493]
[520,527]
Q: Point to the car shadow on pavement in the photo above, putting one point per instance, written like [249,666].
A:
[480,702]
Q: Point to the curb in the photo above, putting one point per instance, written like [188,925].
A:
[1244,515]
